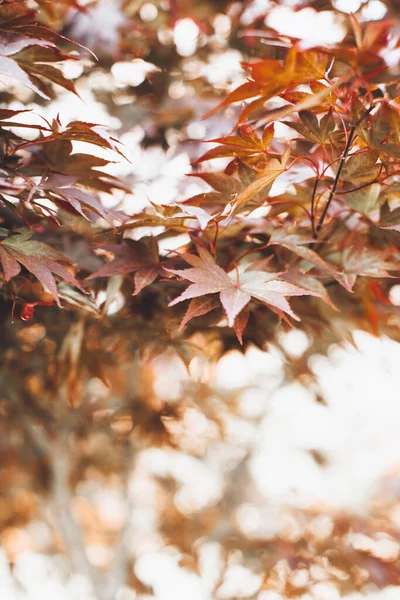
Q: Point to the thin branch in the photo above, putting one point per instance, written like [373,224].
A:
[336,182]
[340,168]
[360,187]
[314,233]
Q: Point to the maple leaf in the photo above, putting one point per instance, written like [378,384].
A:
[81,131]
[59,188]
[28,309]
[369,42]
[360,167]
[193,212]
[240,323]
[235,292]
[265,179]
[132,256]
[298,243]
[15,15]
[236,194]
[6,114]
[365,200]
[320,99]
[38,258]
[270,78]
[321,132]
[61,137]
[27,50]
[389,219]
[363,260]
[198,307]
[35,59]
[246,145]
[10,67]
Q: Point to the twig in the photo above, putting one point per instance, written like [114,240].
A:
[336,182]
[360,187]
[339,171]
[314,233]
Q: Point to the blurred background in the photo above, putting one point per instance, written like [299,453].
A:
[266,474]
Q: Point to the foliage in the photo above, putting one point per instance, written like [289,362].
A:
[297,196]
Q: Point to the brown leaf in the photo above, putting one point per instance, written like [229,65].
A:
[240,323]
[38,258]
[132,256]
[10,67]
[245,144]
[271,77]
[298,244]
[360,167]
[198,307]
[267,176]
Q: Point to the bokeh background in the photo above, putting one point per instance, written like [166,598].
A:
[248,482]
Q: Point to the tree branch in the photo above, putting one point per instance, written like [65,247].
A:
[339,171]
[336,182]
[314,233]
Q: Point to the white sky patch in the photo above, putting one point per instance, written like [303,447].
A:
[347,6]
[295,342]
[312,27]
[196,130]
[132,72]
[358,435]
[72,69]
[239,582]
[394,295]
[169,581]
[255,9]
[374,10]
[38,576]
[222,24]
[224,68]
[100,24]
[158,174]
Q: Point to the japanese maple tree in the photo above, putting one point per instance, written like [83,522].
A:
[288,218]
